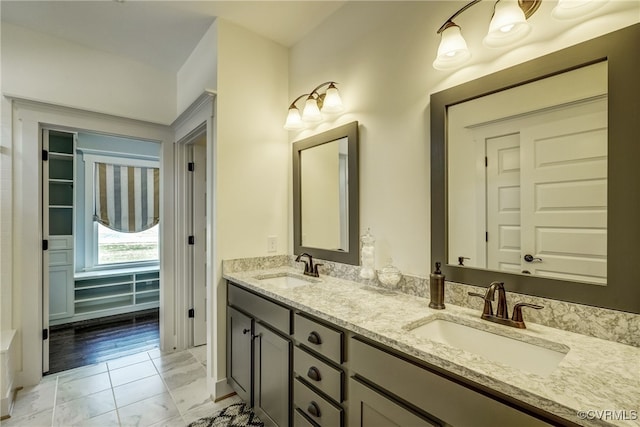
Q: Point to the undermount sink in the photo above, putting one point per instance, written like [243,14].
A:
[518,354]
[287,280]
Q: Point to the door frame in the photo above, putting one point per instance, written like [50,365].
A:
[27,120]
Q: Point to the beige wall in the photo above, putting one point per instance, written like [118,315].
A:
[252,157]
[43,68]
[381,54]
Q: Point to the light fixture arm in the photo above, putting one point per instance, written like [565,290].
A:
[449,21]
[321,85]
[293,104]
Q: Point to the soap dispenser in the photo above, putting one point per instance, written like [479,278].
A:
[436,287]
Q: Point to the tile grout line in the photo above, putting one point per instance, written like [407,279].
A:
[55,401]
[113,394]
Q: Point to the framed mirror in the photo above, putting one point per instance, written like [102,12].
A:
[325,195]
[534,176]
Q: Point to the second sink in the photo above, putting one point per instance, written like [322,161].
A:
[287,280]
[518,354]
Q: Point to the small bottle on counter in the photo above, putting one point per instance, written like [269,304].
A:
[436,288]
[367,256]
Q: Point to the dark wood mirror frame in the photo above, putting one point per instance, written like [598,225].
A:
[622,291]
[352,256]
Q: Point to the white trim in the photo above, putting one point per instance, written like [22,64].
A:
[89,152]
[189,124]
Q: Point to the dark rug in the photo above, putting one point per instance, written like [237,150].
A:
[235,415]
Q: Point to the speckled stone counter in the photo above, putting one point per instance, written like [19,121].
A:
[595,375]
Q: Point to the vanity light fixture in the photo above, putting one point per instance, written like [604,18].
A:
[508,25]
[316,103]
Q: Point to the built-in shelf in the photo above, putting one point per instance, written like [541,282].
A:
[108,292]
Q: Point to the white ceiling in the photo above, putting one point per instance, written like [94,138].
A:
[163,33]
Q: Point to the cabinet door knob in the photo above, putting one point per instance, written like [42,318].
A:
[313,409]
[314,373]
[246,331]
[314,338]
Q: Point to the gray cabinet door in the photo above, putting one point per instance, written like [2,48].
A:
[239,353]
[272,377]
[368,408]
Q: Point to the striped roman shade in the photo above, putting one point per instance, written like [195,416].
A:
[126,198]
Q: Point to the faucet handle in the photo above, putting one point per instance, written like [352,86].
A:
[488,309]
[315,270]
[517,310]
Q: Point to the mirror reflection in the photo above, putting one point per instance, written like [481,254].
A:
[527,178]
[324,196]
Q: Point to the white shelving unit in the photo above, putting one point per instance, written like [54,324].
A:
[59,173]
[109,292]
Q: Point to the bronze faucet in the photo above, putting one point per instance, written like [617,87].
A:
[309,268]
[502,313]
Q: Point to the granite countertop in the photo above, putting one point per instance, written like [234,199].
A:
[594,375]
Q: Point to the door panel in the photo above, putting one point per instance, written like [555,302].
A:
[199,249]
[240,343]
[272,367]
[503,202]
[564,197]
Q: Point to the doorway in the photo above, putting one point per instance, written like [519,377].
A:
[101,247]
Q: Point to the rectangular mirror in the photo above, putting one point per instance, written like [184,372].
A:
[325,185]
[535,176]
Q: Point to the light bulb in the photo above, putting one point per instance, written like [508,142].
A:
[311,112]
[508,24]
[453,51]
[332,101]
[293,119]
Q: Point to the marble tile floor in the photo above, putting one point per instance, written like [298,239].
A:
[150,388]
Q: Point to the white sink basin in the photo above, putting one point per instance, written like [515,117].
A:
[287,280]
[515,353]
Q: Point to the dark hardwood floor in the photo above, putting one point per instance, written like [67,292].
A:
[94,341]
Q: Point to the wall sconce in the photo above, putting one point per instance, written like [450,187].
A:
[316,104]
[508,25]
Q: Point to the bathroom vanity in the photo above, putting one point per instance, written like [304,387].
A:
[344,354]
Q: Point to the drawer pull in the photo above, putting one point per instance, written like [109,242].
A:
[314,373]
[314,338]
[314,409]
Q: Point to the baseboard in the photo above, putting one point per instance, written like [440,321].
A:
[223,390]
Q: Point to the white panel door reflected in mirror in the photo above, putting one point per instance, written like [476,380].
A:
[324,196]
[527,178]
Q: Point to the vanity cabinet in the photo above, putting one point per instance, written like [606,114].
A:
[259,353]
[298,370]
[420,393]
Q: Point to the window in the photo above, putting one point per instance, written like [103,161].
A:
[111,241]
[116,247]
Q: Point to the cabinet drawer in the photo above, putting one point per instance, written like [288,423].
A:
[431,392]
[300,420]
[316,407]
[316,336]
[318,373]
[64,257]
[269,312]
